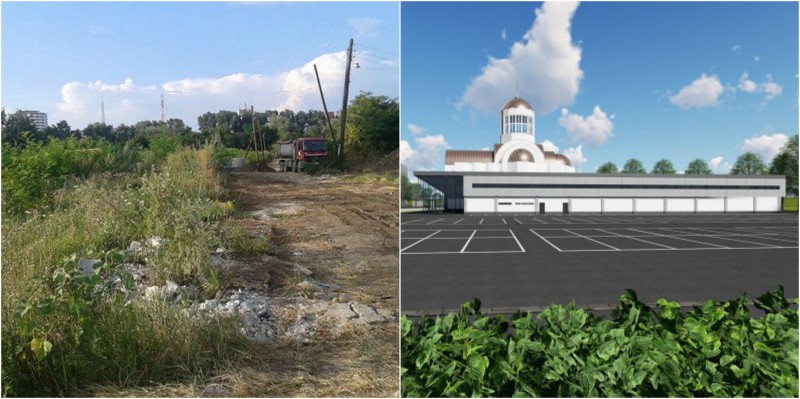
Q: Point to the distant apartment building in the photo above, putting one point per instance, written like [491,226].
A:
[39,119]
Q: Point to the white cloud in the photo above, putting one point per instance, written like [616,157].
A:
[364,27]
[715,162]
[188,98]
[736,48]
[575,156]
[503,35]
[416,129]
[549,146]
[594,129]
[426,156]
[718,166]
[756,58]
[746,85]
[546,63]
[703,92]
[766,145]
[770,88]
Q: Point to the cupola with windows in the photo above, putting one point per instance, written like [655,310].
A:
[517,120]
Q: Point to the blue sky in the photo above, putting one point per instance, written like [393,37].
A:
[63,58]
[608,81]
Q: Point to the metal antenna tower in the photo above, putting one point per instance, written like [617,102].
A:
[102,112]
[163,117]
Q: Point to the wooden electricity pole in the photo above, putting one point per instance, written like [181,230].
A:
[325,107]
[344,99]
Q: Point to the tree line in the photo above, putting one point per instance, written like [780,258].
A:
[784,163]
[372,125]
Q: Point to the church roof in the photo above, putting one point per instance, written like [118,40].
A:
[453,156]
[517,102]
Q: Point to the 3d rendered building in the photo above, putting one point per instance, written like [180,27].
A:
[519,176]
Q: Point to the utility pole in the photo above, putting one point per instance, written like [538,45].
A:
[344,100]
[163,117]
[325,107]
[102,113]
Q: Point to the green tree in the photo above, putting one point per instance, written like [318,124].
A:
[373,124]
[406,189]
[99,130]
[663,167]
[785,163]
[633,165]
[18,129]
[698,167]
[748,163]
[608,167]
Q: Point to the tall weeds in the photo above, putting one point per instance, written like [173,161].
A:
[109,342]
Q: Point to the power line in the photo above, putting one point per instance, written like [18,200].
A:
[377,49]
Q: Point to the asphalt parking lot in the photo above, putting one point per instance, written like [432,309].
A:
[529,261]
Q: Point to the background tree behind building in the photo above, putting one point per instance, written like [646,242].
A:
[608,167]
[749,163]
[698,167]
[634,165]
[663,167]
[785,163]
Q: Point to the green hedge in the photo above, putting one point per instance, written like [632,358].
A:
[714,350]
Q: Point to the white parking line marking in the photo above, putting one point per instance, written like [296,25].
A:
[432,222]
[470,239]
[546,240]
[481,222]
[747,242]
[504,220]
[434,233]
[588,238]
[457,221]
[539,220]
[684,239]
[515,239]
[517,220]
[634,238]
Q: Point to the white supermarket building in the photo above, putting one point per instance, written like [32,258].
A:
[520,176]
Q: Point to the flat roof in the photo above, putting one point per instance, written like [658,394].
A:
[425,173]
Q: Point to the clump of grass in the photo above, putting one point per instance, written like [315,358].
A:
[101,340]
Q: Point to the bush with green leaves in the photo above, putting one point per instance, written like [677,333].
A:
[717,349]
[76,328]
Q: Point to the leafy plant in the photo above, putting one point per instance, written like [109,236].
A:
[716,349]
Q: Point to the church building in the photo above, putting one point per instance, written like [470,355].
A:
[520,176]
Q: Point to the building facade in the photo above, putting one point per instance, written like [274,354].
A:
[39,119]
[519,176]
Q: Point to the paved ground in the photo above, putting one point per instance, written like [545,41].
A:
[529,261]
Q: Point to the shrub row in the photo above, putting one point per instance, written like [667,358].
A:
[717,349]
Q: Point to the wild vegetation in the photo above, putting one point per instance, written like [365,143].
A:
[718,349]
[73,195]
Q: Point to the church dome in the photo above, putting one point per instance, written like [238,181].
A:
[517,102]
[521,155]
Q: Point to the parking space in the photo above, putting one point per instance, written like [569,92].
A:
[535,260]
[666,238]
[487,240]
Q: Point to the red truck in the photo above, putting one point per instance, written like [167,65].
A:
[293,155]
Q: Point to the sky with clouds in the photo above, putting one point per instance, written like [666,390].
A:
[65,58]
[608,81]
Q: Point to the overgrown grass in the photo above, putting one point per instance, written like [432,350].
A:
[790,204]
[717,350]
[99,339]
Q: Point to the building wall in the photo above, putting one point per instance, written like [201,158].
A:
[591,197]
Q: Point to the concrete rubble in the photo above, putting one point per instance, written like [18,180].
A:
[263,319]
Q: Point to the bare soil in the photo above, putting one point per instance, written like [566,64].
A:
[335,242]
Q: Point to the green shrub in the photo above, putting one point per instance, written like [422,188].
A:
[75,331]
[717,349]
[97,340]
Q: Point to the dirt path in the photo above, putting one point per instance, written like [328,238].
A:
[332,276]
